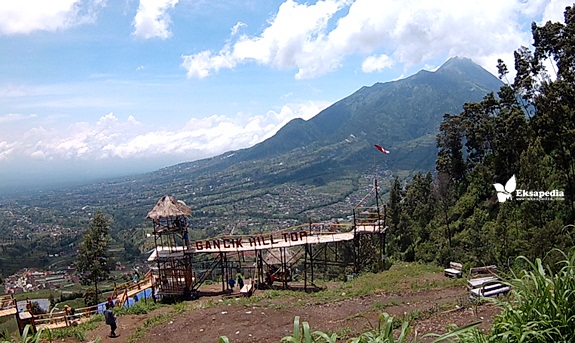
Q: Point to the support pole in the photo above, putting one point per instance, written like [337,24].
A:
[223,270]
[325,272]
[384,235]
[283,260]
[311,263]
[259,266]
[355,244]
[379,231]
[306,251]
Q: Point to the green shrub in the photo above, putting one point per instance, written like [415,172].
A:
[384,332]
[29,336]
[90,297]
[542,306]
[302,334]
[78,332]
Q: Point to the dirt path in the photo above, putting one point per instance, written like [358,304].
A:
[271,319]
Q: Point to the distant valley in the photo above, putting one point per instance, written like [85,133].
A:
[310,170]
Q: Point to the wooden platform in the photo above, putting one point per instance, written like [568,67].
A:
[8,312]
[480,282]
[57,323]
[455,270]
[279,239]
[130,289]
[484,282]
[7,306]
[248,289]
[490,289]
[61,319]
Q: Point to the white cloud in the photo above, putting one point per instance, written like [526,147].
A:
[237,28]
[316,38]
[26,16]
[199,65]
[152,19]
[376,63]
[6,150]
[292,35]
[554,11]
[12,118]
[112,137]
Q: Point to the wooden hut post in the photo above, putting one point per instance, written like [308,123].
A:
[171,245]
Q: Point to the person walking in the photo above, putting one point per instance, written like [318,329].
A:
[110,320]
[111,302]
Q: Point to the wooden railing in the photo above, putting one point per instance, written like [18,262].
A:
[7,305]
[123,291]
[369,216]
[59,319]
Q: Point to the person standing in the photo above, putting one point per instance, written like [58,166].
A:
[231,283]
[240,282]
[110,320]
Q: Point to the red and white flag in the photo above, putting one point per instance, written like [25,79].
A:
[378,147]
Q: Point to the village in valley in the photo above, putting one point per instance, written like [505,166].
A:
[30,280]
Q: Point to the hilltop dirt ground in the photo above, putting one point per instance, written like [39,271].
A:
[271,318]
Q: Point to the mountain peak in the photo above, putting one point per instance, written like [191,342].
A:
[461,65]
[464,68]
[458,61]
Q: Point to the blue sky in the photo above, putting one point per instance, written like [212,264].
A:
[92,88]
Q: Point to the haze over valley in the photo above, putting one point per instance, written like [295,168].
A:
[93,89]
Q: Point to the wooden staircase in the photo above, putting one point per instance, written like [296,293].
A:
[127,290]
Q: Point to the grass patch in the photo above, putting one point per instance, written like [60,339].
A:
[345,332]
[148,324]
[78,332]
[180,307]
[380,306]
[425,285]
[400,277]
[141,307]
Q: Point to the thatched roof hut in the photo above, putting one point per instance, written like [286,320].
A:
[169,207]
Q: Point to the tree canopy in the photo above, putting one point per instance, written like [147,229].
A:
[526,130]
[93,261]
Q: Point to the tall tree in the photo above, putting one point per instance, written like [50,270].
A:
[478,123]
[93,263]
[394,208]
[555,99]
[393,220]
[450,145]
[444,194]
[527,129]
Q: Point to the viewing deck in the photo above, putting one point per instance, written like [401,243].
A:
[7,305]
[281,239]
